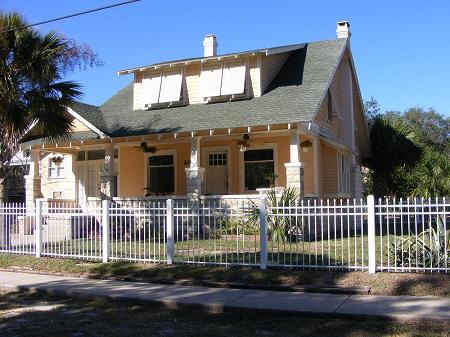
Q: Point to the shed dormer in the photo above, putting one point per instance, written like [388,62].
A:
[209,79]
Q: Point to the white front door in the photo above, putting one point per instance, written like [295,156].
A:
[88,179]
[216,172]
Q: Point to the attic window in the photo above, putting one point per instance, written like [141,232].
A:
[162,87]
[330,106]
[223,79]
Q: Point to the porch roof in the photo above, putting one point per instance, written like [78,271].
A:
[294,95]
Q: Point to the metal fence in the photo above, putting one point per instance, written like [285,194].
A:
[338,234]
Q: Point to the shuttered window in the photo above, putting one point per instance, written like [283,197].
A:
[171,86]
[211,80]
[233,78]
[151,85]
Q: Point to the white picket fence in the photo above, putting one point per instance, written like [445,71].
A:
[335,234]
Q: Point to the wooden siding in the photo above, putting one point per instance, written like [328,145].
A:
[328,164]
[270,65]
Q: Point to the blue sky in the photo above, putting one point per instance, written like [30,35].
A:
[401,48]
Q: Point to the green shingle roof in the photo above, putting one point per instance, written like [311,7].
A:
[294,95]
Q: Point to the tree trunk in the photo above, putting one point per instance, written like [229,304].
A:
[3,190]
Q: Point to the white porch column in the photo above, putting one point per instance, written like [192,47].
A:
[194,173]
[33,179]
[108,179]
[316,156]
[294,169]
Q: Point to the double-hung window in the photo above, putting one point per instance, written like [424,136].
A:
[343,163]
[161,174]
[56,167]
[259,168]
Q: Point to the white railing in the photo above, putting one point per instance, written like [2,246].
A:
[324,234]
[17,229]
[413,234]
[342,234]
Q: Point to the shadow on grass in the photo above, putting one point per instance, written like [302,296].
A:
[26,314]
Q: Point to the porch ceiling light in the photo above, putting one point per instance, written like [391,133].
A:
[146,148]
[243,143]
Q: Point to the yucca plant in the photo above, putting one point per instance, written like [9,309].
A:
[279,221]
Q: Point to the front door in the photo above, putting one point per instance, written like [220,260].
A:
[88,179]
[217,172]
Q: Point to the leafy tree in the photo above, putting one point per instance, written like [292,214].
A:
[32,89]
[410,153]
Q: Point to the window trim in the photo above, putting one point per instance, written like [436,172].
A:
[272,146]
[175,171]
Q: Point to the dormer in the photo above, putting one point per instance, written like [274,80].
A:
[209,79]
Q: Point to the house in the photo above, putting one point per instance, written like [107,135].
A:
[216,125]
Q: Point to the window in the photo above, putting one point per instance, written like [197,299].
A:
[330,106]
[211,80]
[233,78]
[259,169]
[161,175]
[56,167]
[217,159]
[162,87]
[94,155]
[223,79]
[343,173]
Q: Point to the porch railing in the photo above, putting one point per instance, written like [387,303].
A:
[338,234]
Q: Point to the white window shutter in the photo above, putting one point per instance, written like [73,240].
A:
[171,86]
[210,80]
[233,80]
[151,85]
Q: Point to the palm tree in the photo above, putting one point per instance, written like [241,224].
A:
[432,176]
[32,90]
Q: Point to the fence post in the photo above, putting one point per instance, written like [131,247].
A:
[105,230]
[170,238]
[38,227]
[371,233]
[263,231]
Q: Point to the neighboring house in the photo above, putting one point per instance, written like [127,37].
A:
[218,124]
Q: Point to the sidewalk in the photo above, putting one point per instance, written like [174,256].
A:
[217,299]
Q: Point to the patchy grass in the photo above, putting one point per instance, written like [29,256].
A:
[25,314]
[416,284]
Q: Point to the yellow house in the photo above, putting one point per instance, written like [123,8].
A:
[216,125]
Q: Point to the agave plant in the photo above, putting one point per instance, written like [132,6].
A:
[429,249]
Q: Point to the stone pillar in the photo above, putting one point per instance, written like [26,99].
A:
[108,178]
[294,169]
[33,179]
[195,173]
[194,182]
[295,177]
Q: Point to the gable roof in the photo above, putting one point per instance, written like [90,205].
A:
[294,95]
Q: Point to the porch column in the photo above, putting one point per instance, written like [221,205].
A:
[108,178]
[194,173]
[33,179]
[294,169]
[316,156]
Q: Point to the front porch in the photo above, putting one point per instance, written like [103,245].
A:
[215,162]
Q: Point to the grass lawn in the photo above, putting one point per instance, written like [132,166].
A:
[338,252]
[382,283]
[25,314]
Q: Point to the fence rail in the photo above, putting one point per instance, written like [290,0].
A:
[395,235]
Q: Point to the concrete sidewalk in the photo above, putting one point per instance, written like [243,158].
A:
[217,299]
